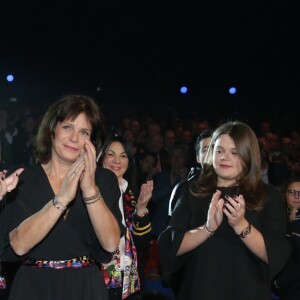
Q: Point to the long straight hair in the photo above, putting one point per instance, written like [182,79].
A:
[250,182]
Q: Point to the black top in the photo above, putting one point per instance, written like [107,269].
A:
[287,283]
[192,176]
[223,267]
[71,237]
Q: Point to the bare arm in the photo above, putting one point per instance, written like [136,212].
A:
[195,237]
[254,241]
[104,223]
[34,229]
[235,213]
[192,239]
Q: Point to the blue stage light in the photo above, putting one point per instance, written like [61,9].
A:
[10,78]
[183,90]
[232,90]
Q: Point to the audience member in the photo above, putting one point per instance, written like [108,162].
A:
[263,160]
[228,228]
[291,157]
[23,143]
[6,158]
[287,284]
[147,161]
[65,212]
[155,143]
[164,183]
[7,271]
[124,274]
[201,148]
[169,139]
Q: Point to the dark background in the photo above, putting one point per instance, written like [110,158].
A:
[135,55]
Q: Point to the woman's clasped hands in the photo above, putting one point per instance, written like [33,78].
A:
[233,207]
[82,172]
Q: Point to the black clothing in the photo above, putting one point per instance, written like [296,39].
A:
[159,204]
[6,157]
[192,176]
[288,281]
[115,293]
[71,237]
[142,243]
[223,267]
[23,153]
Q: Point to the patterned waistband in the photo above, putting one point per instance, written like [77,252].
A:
[2,283]
[78,262]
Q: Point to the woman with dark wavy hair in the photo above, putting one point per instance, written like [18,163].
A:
[124,273]
[64,214]
[227,231]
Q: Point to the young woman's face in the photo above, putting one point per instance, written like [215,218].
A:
[226,161]
[70,136]
[116,159]
[293,195]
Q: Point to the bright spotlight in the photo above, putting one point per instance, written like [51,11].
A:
[10,78]
[232,90]
[183,90]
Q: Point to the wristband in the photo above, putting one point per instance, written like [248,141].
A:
[245,232]
[57,204]
[94,197]
[144,214]
[210,232]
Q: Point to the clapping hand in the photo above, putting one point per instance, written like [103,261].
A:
[215,212]
[235,210]
[7,184]
[144,197]
[87,180]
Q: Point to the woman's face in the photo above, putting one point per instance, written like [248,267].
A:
[70,137]
[293,195]
[226,161]
[116,159]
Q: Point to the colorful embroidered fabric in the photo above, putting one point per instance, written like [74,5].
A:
[80,262]
[2,283]
[112,271]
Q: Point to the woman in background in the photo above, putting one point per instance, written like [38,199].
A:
[124,273]
[287,285]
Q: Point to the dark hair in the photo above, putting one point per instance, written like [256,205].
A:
[250,182]
[68,108]
[203,135]
[130,174]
